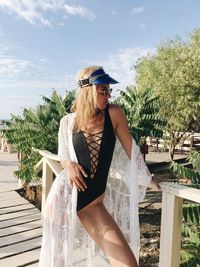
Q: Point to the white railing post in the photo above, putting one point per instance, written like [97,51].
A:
[49,165]
[170,240]
[5,146]
[171,221]
[47,180]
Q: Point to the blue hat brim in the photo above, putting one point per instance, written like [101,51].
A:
[106,79]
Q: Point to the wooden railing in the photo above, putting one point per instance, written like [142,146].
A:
[172,201]
[5,146]
[50,166]
[192,141]
[171,221]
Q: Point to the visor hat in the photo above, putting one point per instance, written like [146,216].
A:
[97,77]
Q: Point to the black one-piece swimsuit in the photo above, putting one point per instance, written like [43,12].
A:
[94,153]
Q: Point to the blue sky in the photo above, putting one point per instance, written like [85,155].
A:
[43,43]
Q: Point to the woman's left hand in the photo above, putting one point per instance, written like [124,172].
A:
[155,182]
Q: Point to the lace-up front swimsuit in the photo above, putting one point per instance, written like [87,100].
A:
[94,153]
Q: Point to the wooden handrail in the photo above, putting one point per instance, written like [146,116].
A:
[171,221]
[47,154]
[181,191]
[50,166]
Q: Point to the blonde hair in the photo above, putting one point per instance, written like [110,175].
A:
[85,103]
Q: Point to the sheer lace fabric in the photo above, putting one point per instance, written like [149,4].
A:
[65,242]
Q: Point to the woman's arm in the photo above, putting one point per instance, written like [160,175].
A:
[76,171]
[120,125]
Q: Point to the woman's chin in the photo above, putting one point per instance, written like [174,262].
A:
[103,106]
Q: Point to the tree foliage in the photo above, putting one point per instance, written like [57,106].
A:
[141,109]
[37,128]
[173,73]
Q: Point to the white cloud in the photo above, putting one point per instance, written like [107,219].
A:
[12,66]
[139,9]
[39,82]
[4,48]
[60,24]
[142,26]
[1,33]
[15,104]
[113,12]
[80,11]
[39,11]
[120,64]
[27,9]
[35,86]
[28,93]
[43,59]
[20,73]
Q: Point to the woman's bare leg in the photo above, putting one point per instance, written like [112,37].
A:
[104,230]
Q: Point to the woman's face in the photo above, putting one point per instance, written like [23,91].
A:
[103,95]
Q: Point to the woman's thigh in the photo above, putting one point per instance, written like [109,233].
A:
[104,230]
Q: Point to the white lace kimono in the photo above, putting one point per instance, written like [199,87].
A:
[65,242]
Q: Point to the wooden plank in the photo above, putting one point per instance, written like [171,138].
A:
[170,240]
[9,195]
[20,228]
[12,203]
[33,265]
[18,237]
[181,191]
[38,166]
[20,247]
[47,154]
[18,214]
[18,221]
[21,259]
[47,180]
[55,166]
[19,208]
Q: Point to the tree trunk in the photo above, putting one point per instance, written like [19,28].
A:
[171,150]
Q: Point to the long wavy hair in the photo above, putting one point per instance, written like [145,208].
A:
[85,103]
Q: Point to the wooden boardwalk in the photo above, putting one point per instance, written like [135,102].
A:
[20,221]
[20,231]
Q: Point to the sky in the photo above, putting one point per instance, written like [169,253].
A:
[44,43]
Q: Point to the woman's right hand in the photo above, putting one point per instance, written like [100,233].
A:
[76,173]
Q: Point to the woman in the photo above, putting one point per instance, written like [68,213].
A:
[105,199]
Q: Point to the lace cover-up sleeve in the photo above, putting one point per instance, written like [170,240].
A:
[143,174]
[63,148]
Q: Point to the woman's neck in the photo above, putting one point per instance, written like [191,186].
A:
[98,112]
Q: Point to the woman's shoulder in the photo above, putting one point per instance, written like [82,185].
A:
[116,114]
[115,110]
